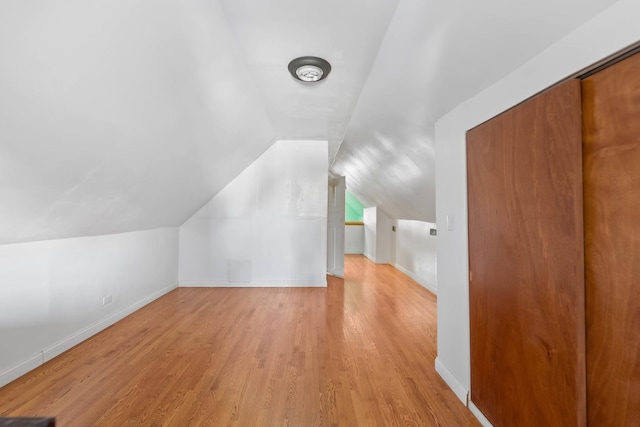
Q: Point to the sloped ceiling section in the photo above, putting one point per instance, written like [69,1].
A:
[119,115]
[435,55]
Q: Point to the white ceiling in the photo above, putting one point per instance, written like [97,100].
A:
[437,54]
[119,115]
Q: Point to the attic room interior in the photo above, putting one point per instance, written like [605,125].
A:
[174,178]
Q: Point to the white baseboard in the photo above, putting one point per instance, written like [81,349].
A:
[67,343]
[420,280]
[320,283]
[461,391]
[29,364]
[454,384]
[479,415]
[374,260]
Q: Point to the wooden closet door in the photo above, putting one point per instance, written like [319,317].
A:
[526,266]
[611,102]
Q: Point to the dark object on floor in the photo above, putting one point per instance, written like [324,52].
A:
[27,422]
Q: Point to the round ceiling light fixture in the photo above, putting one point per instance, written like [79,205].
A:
[309,68]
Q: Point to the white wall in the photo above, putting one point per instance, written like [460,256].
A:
[354,239]
[336,227]
[369,217]
[384,241]
[268,227]
[393,240]
[416,252]
[612,30]
[51,292]
[377,235]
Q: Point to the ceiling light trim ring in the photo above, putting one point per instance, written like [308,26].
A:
[309,69]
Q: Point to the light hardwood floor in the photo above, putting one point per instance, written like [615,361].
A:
[358,353]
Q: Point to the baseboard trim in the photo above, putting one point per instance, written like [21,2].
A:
[188,283]
[71,341]
[454,384]
[29,364]
[479,415]
[420,280]
[375,261]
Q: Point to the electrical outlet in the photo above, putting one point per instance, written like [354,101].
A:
[106,300]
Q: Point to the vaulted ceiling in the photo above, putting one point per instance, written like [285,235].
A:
[119,115]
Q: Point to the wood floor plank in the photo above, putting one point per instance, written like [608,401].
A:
[358,353]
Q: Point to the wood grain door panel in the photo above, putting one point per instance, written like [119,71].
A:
[611,127]
[526,262]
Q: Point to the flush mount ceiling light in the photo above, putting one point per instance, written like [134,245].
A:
[309,68]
